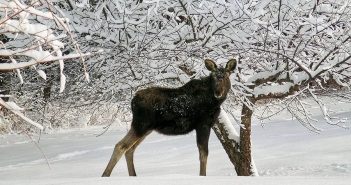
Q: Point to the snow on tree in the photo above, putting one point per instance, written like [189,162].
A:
[287,50]
[34,33]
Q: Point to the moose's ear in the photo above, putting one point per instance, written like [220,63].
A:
[231,64]
[210,65]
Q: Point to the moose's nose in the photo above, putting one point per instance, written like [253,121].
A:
[218,93]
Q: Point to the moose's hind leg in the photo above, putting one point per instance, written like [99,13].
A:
[125,144]
[130,155]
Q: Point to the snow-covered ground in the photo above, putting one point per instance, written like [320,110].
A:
[283,150]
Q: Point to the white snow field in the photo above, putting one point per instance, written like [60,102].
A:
[284,152]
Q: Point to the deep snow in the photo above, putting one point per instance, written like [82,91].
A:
[281,148]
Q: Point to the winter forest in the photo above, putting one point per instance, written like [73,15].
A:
[69,70]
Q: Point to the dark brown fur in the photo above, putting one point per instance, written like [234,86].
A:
[194,106]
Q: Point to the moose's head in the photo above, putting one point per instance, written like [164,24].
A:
[220,82]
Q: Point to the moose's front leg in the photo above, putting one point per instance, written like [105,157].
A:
[202,136]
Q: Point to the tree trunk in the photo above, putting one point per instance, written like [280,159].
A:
[245,166]
[5,76]
[5,80]
[237,149]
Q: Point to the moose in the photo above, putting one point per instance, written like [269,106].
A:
[176,111]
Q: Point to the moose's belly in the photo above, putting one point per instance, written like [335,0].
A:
[177,126]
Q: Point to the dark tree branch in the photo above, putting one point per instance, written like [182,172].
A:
[189,17]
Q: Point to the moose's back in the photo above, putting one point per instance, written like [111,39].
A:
[174,111]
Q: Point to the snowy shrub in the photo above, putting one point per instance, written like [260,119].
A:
[34,34]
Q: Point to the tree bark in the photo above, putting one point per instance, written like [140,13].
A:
[238,148]
[5,80]
[230,146]
[245,166]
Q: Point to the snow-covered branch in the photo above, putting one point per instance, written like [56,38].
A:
[42,43]
[11,106]
[36,55]
[33,34]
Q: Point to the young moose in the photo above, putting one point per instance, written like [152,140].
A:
[194,106]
